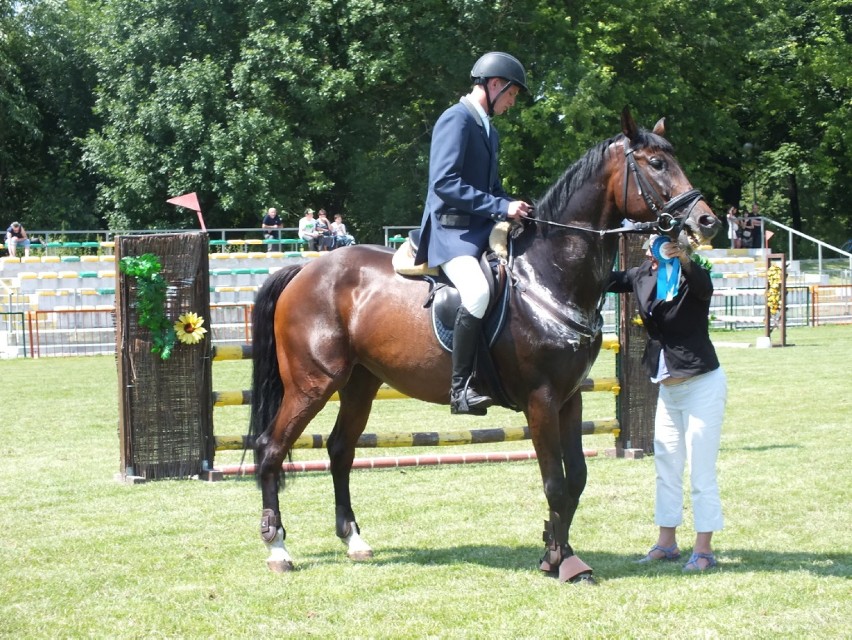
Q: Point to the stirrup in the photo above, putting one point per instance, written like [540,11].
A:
[468,402]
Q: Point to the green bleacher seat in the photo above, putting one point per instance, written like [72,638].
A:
[70,258]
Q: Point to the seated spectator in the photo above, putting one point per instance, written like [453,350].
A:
[16,236]
[271,223]
[341,236]
[325,238]
[308,230]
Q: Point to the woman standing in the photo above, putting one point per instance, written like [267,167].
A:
[734,230]
[673,295]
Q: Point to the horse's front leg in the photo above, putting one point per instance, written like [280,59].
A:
[574,460]
[356,400]
[562,491]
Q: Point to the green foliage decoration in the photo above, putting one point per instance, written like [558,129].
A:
[151,301]
[703,262]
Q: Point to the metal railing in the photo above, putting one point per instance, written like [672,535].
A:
[793,233]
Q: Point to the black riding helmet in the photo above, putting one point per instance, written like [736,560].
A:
[497,64]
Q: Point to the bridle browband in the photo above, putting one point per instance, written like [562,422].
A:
[668,219]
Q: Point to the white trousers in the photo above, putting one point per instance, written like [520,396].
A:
[466,274]
[688,427]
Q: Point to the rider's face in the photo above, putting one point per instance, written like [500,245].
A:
[507,99]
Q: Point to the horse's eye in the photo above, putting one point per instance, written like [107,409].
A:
[657,163]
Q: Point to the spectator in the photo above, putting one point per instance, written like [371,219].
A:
[16,236]
[308,230]
[324,237]
[342,238]
[734,228]
[747,231]
[673,295]
[271,226]
[756,225]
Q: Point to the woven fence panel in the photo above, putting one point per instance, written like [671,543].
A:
[638,398]
[165,408]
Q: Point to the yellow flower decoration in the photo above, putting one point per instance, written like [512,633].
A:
[773,293]
[188,328]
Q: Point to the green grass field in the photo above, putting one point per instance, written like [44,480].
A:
[82,555]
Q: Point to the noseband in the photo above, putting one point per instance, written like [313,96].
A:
[668,218]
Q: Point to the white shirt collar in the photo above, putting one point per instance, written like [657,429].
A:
[485,121]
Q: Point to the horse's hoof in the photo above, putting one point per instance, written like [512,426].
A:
[360,556]
[573,570]
[584,579]
[279,566]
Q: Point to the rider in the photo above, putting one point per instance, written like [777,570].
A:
[464,201]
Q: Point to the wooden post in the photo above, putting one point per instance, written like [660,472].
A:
[637,400]
[782,323]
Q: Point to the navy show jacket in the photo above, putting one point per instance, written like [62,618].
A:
[465,196]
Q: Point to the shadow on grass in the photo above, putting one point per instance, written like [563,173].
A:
[607,566]
[768,447]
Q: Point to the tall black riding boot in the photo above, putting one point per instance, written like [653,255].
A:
[466,334]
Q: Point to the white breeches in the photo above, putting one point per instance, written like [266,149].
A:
[466,274]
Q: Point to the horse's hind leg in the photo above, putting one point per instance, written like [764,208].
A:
[356,400]
[272,447]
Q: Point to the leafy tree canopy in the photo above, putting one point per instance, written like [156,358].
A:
[111,107]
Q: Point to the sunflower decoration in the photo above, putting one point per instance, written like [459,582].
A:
[188,328]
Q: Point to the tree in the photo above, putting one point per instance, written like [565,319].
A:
[800,102]
[45,104]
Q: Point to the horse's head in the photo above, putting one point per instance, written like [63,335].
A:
[655,188]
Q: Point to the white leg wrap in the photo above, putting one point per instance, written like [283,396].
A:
[356,546]
[277,550]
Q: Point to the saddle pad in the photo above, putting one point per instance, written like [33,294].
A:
[403,262]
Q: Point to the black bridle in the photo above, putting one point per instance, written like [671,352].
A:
[668,218]
[671,214]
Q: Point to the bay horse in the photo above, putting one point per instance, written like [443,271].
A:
[347,323]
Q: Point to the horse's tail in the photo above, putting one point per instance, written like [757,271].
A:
[267,389]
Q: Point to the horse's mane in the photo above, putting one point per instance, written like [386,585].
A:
[555,199]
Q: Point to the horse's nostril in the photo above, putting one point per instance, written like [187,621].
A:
[708,221]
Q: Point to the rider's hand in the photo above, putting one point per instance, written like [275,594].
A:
[518,209]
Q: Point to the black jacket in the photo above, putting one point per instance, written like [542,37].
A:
[678,327]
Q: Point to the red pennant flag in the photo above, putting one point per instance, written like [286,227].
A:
[190,201]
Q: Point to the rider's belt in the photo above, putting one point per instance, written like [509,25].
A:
[454,220]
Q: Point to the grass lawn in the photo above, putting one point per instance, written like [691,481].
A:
[456,546]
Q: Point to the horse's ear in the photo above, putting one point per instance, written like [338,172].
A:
[660,127]
[628,125]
